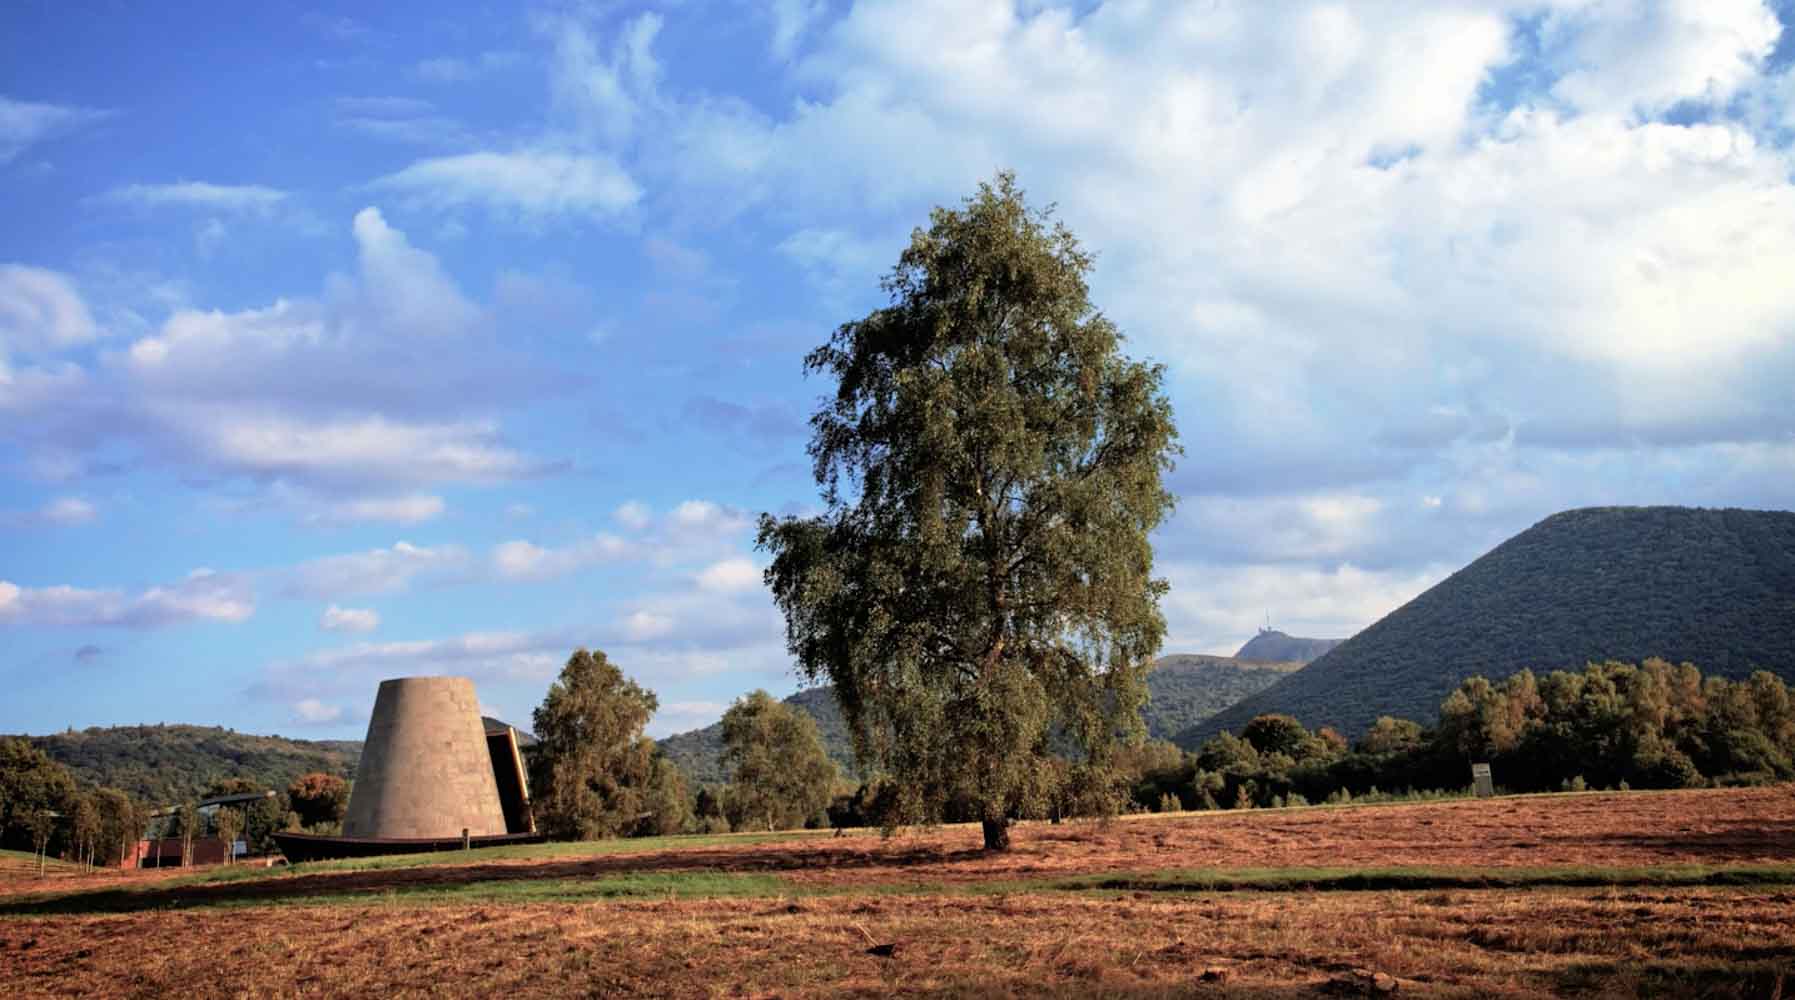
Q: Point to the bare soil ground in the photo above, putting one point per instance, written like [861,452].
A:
[957,929]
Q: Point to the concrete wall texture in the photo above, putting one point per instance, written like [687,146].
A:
[425,770]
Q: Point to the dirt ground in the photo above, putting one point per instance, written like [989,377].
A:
[1621,941]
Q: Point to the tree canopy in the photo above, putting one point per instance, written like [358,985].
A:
[593,769]
[991,468]
[780,773]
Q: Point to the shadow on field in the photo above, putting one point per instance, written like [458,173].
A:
[1754,840]
[449,875]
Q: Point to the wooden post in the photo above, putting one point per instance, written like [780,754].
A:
[467,842]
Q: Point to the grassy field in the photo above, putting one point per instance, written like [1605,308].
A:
[1671,894]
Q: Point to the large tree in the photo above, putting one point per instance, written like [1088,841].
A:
[991,468]
[319,799]
[780,773]
[592,772]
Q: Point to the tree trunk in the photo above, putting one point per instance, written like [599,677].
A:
[997,834]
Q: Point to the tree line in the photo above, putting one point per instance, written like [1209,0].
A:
[46,809]
[1610,725]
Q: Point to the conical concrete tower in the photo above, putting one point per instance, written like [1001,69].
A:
[425,770]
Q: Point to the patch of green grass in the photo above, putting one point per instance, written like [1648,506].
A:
[553,849]
[635,885]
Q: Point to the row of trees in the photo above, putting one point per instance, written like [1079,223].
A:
[1611,725]
[45,809]
[593,772]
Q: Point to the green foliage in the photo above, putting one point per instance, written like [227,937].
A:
[30,784]
[1615,583]
[780,775]
[318,799]
[991,468]
[164,765]
[1651,725]
[593,771]
[667,805]
[1276,734]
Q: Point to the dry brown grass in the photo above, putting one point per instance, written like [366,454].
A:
[1540,942]
[1601,943]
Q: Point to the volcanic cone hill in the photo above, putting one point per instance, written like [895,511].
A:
[1273,646]
[1185,688]
[1711,587]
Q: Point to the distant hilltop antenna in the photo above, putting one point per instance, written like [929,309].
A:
[1267,626]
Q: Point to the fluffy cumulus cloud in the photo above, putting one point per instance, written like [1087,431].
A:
[1388,254]
[204,595]
[386,381]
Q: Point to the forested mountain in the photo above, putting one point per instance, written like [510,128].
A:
[166,764]
[1274,646]
[1184,689]
[1711,587]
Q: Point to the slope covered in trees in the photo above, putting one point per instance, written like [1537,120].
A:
[1182,689]
[1711,587]
[166,764]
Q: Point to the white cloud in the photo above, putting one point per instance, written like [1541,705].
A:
[355,670]
[634,515]
[340,619]
[68,511]
[377,571]
[1618,58]
[707,517]
[639,626]
[248,198]
[366,449]
[604,95]
[40,310]
[1213,608]
[528,185]
[312,712]
[203,596]
[730,576]
[456,69]
[363,388]
[791,19]
[24,124]
[413,509]
[525,561]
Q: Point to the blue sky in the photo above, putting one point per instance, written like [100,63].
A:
[341,343]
